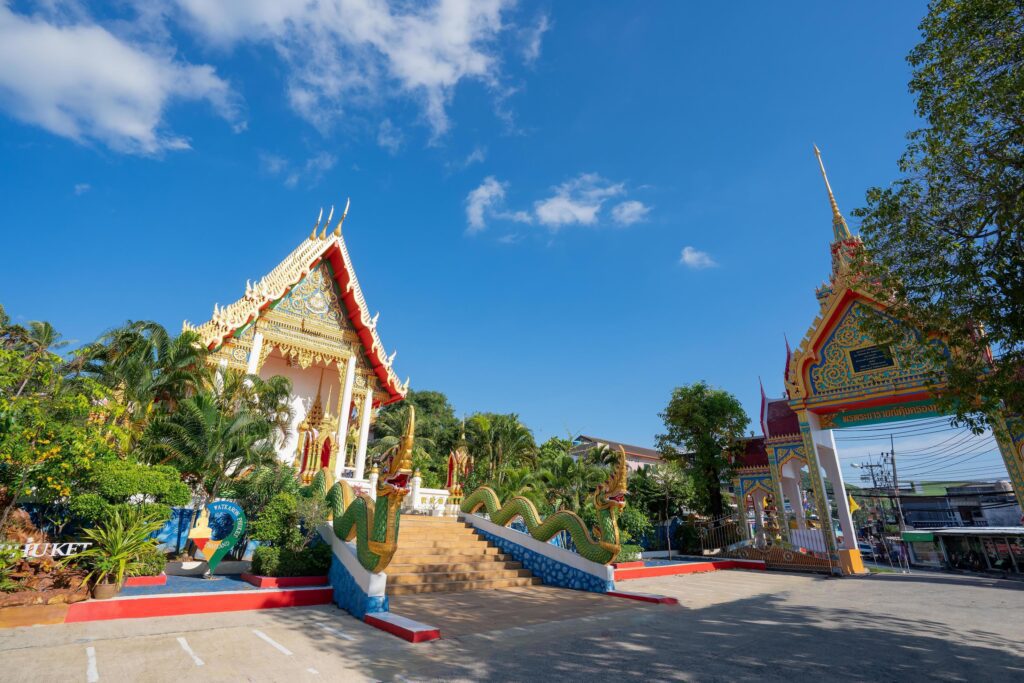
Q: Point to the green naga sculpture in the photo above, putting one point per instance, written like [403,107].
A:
[609,498]
[373,523]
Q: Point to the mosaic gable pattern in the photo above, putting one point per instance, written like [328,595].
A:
[837,371]
[315,298]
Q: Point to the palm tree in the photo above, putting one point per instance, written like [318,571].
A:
[271,398]
[669,480]
[570,481]
[388,431]
[211,442]
[40,337]
[500,441]
[146,367]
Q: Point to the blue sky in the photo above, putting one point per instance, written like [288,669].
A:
[562,210]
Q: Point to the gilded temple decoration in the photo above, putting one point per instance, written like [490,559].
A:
[311,309]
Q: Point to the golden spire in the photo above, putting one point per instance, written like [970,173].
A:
[839,227]
[312,235]
[316,411]
[337,230]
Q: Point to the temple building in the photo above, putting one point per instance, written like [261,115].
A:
[307,320]
[841,375]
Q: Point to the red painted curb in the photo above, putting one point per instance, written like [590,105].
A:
[628,565]
[404,628]
[283,581]
[158,580]
[644,597]
[686,568]
[174,605]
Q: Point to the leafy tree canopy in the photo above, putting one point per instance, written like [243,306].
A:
[706,423]
[946,239]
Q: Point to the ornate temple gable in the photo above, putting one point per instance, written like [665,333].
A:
[839,361]
[312,309]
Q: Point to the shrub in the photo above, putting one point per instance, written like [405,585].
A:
[118,543]
[312,561]
[9,558]
[122,483]
[151,561]
[633,524]
[89,507]
[265,560]
[278,523]
[629,553]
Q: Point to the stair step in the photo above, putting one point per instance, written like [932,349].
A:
[413,532]
[417,578]
[447,566]
[407,557]
[417,543]
[457,586]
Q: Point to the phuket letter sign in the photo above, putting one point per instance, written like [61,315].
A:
[31,549]
[202,534]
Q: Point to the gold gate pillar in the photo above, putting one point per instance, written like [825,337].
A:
[1009,433]
[817,484]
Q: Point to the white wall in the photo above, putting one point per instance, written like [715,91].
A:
[304,385]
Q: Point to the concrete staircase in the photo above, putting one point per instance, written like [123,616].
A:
[443,555]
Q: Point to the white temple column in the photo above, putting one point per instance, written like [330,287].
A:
[252,367]
[830,461]
[791,489]
[364,432]
[344,410]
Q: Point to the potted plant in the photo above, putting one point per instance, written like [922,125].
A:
[104,578]
[120,543]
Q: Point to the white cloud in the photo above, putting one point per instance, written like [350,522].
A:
[82,188]
[78,80]
[389,137]
[696,259]
[531,38]
[310,171]
[481,201]
[630,212]
[477,156]
[350,53]
[576,201]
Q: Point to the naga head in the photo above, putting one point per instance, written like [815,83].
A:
[396,469]
[612,493]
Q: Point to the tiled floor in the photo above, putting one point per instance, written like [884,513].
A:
[177,585]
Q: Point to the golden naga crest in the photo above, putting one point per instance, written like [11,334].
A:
[612,493]
[396,469]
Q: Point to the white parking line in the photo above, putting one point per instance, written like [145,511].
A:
[273,642]
[336,632]
[91,673]
[188,650]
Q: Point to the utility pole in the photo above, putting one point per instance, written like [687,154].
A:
[896,485]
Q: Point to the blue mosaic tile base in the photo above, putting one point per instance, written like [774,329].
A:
[550,571]
[349,596]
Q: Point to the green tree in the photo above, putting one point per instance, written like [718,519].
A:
[148,370]
[437,433]
[706,424]
[120,483]
[211,442]
[51,426]
[945,242]
[497,442]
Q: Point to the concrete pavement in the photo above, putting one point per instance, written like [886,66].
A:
[729,626]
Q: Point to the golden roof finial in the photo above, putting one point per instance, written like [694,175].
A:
[312,235]
[337,230]
[839,227]
[316,411]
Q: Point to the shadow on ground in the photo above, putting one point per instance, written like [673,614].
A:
[761,638]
